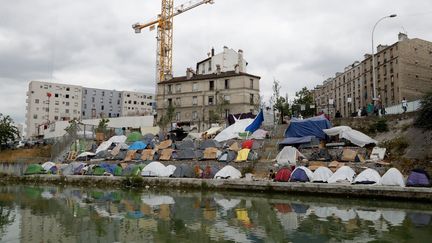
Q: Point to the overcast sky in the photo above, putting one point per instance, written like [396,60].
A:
[91,43]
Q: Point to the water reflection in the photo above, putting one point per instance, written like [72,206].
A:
[44,214]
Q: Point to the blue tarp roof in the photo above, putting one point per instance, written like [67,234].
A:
[308,127]
[295,140]
[138,145]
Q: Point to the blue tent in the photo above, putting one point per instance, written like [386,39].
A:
[299,175]
[256,123]
[138,145]
[308,127]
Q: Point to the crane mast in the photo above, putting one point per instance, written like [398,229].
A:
[164,37]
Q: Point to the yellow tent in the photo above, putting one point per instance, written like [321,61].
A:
[242,155]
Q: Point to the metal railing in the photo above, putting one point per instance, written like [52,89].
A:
[397,109]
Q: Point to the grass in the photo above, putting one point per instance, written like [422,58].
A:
[31,155]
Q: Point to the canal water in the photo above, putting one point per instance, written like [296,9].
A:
[67,214]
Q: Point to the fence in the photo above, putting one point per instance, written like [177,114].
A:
[397,109]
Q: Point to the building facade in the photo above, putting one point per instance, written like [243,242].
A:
[137,103]
[97,103]
[403,69]
[202,99]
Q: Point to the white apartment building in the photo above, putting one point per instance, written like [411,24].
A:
[137,103]
[49,102]
[225,61]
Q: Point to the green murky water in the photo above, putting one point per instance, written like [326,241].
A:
[66,214]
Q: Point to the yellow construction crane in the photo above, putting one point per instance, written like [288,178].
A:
[164,22]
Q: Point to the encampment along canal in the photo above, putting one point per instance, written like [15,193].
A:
[70,214]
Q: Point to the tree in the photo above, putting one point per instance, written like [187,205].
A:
[423,119]
[103,124]
[304,98]
[221,105]
[8,131]
[279,103]
[167,117]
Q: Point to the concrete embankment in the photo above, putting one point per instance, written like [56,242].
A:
[337,190]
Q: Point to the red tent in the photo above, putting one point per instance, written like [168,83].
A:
[283,175]
[247,144]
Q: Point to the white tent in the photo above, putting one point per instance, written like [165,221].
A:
[103,146]
[393,177]
[84,154]
[171,169]
[259,134]
[118,139]
[47,165]
[369,215]
[228,172]
[233,130]
[344,173]
[354,136]
[156,169]
[308,172]
[322,174]
[288,156]
[368,175]
[395,218]
[153,200]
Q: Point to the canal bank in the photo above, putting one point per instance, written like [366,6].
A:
[315,189]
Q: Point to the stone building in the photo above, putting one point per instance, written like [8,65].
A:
[403,69]
[203,97]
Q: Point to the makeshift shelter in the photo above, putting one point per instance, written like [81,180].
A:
[259,134]
[308,127]
[178,134]
[358,138]
[186,154]
[228,172]
[210,143]
[133,137]
[283,175]
[247,144]
[343,174]
[227,156]
[84,156]
[288,156]
[211,153]
[234,147]
[166,154]
[130,155]
[242,155]
[213,131]
[138,145]
[147,154]
[103,146]
[321,175]
[418,178]
[301,174]
[378,153]
[155,169]
[185,144]
[148,137]
[183,171]
[256,123]
[209,172]
[393,177]
[121,155]
[118,139]
[233,130]
[165,144]
[368,176]
[34,169]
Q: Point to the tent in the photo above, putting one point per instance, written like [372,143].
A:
[118,139]
[209,172]
[228,172]
[185,144]
[147,154]
[84,156]
[418,178]
[186,154]
[234,147]
[148,137]
[133,137]
[211,153]
[344,173]
[301,174]
[121,155]
[393,177]
[288,156]
[259,134]
[256,123]
[138,145]
[132,170]
[242,155]
[130,155]
[247,144]
[368,176]
[183,171]
[233,130]
[308,127]
[166,154]
[34,169]
[102,155]
[171,168]
[155,169]
[210,143]
[227,156]
[321,174]
[165,144]
[296,140]
[252,156]
[283,175]
[48,165]
[354,136]
[103,146]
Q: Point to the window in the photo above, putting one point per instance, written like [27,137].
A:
[93,99]
[130,102]
[178,88]
[169,101]
[67,88]
[67,111]
[135,102]
[194,115]
[251,99]
[67,96]
[118,102]
[177,116]
[56,102]
[194,100]
[226,83]
[150,97]
[170,89]
[103,93]
[227,98]
[37,101]
[85,106]
[178,101]
[210,100]
[210,64]
[102,107]
[195,86]
[56,110]
[35,116]
[227,112]
[142,103]
[56,117]
[56,95]
[127,95]
[67,103]
[252,81]
[211,85]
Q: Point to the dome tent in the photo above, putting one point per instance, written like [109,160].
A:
[283,175]
[228,172]
[288,156]
[368,176]
[321,174]
[344,173]
[393,177]
[183,171]
[301,174]
[418,178]
[155,169]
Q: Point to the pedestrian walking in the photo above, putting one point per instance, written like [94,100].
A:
[404,105]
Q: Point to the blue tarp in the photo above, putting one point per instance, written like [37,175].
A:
[294,140]
[309,127]
[138,145]
[256,123]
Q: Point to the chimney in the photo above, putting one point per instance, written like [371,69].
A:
[240,61]
[189,73]
[225,49]
[237,69]
[402,36]
[367,55]
[212,51]
[218,69]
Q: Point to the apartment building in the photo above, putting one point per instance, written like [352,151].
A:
[403,69]
[137,103]
[198,95]
[97,103]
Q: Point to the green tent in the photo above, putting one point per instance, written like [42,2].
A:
[34,169]
[118,171]
[98,171]
[134,136]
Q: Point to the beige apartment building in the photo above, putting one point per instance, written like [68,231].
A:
[403,69]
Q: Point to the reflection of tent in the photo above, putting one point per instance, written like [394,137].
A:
[299,208]
[395,218]
[322,174]
[308,127]
[420,219]
[34,169]
[228,172]
[283,175]
[323,212]
[368,176]
[418,178]
[134,136]
[369,215]
[354,136]
[228,204]
[288,156]
[344,173]
[153,200]
[393,177]
[344,214]
[301,174]
[233,130]
[155,169]
[183,171]
[242,155]
[138,145]
[283,208]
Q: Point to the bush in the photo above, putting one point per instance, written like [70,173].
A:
[423,119]
[396,146]
[381,125]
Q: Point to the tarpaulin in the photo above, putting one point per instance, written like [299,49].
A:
[309,127]
[256,123]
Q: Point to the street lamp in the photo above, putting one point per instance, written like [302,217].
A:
[373,55]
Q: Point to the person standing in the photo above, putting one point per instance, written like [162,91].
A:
[404,105]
